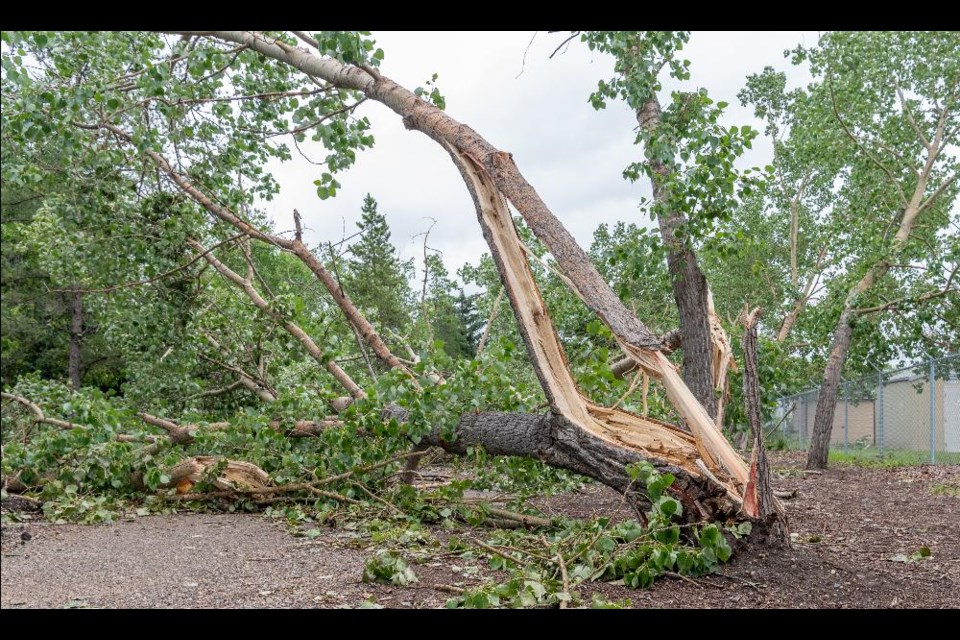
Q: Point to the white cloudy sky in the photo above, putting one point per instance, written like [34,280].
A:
[574,156]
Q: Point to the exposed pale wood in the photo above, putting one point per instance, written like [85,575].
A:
[549,360]
[235,475]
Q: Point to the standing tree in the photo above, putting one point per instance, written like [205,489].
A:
[895,97]
[689,158]
[374,276]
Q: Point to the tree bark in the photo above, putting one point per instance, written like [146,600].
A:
[669,342]
[690,289]
[76,337]
[489,173]
[827,400]
[550,364]
[759,500]
[560,443]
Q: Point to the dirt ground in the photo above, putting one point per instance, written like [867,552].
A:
[858,539]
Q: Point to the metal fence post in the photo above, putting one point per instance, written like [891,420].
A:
[803,433]
[880,409]
[793,418]
[933,413]
[846,416]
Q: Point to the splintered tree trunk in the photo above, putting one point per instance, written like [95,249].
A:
[605,439]
[76,337]
[827,400]
[759,499]
[560,443]
[577,434]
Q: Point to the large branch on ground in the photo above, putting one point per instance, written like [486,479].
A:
[183,434]
[233,475]
[40,418]
[291,327]
[38,414]
[759,499]
[558,442]
[843,332]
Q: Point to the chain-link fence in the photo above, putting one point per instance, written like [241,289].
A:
[890,414]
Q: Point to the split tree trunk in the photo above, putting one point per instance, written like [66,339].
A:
[656,440]
[76,337]
[759,499]
[704,455]
[560,443]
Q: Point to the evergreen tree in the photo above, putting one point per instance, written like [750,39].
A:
[449,314]
[375,277]
[470,320]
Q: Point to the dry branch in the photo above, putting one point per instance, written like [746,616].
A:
[291,327]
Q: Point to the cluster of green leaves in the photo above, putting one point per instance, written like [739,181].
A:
[626,552]
[689,155]
[387,567]
[848,150]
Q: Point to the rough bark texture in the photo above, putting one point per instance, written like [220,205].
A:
[759,500]
[560,443]
[550,364]
[491,175]
[76,337]
[827,400]
[669,342]
[690,289]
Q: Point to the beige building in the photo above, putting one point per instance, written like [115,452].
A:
[903,423]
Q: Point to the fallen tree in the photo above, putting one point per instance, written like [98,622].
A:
[577,433]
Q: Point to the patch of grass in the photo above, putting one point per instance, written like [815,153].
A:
[872,458]
[951,489]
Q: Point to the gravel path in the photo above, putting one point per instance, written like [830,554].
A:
[855,532]
[229,560]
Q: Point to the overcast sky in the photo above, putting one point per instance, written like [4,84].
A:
[574,156]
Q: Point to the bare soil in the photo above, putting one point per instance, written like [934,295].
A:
[858,537]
